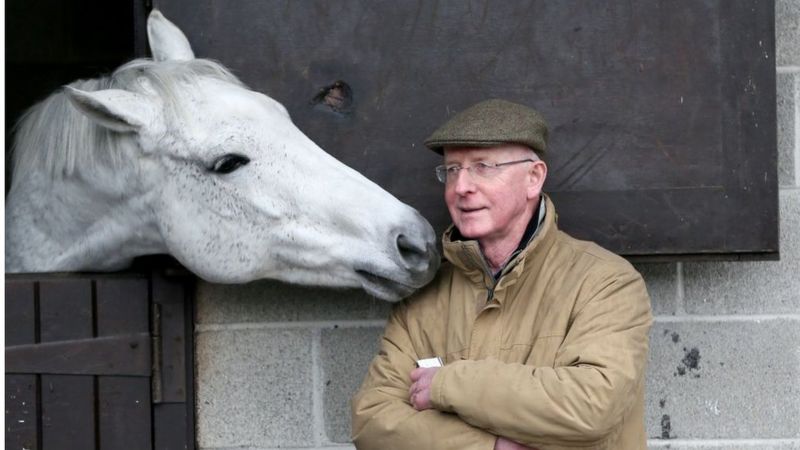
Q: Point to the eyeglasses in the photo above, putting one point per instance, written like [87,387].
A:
[484,170]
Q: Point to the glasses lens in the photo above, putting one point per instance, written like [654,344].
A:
[484,170]
[441,173]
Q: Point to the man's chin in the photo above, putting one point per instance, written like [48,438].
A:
[471,231]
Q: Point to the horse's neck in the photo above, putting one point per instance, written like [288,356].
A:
[67,226]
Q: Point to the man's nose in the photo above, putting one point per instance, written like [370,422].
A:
[463,182]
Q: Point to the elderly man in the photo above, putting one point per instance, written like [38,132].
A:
[543,337]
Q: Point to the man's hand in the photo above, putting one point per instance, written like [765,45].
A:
[507,444]
[419,394]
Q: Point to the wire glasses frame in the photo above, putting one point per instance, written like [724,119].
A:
[480,169]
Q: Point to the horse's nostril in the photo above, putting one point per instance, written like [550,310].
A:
[411,253]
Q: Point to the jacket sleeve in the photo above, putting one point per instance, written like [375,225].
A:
[579,402]
[382,416]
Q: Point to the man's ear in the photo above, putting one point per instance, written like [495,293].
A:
[536,176]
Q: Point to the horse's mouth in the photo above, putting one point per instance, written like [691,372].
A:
[383,287]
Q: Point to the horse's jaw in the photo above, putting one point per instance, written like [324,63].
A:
[384,247]
[388,267]
[72,230]
[389,288]
[345,264]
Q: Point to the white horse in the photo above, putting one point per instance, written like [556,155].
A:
[174,155]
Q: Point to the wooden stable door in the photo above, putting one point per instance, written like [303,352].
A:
[98,362]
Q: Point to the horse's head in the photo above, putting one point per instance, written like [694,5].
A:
[239,193]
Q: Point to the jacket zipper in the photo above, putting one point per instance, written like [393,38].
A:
[490,293]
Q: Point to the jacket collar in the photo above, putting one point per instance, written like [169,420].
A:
[466,254]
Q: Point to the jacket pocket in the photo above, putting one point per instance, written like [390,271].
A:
[542,353]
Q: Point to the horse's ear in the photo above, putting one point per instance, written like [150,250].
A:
[114,109]
[167,42]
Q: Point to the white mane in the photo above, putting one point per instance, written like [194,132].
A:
[53,137]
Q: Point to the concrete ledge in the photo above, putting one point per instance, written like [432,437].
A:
[273,301]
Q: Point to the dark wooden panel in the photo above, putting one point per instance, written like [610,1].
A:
[22,412]
[21,391]
[122,345]
[68,413]
[651,104]
[20,311]
[57,30]
[103,412]
[65,309]
[170,295]
[173,361]
[124,408]
[173,416]
[122,306]
[109,355]
[124,414]
[171,431]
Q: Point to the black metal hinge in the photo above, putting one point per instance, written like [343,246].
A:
[168,343]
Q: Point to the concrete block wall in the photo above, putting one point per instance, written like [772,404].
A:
[277,364]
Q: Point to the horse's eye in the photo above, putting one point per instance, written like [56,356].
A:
[229,163]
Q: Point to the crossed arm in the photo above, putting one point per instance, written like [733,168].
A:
[383,417]
[420,397]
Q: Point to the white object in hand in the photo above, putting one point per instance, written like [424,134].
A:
[430,362]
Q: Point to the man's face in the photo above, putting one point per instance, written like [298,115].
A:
[494,209]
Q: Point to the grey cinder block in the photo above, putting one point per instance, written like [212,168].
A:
[724,380]
[254,388]
[661,280]
[273,301]
[787,32]
[345,355]
[787,97]
[755,287]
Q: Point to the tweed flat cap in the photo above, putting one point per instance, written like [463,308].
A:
[490,123]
